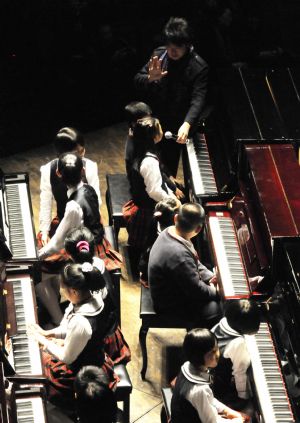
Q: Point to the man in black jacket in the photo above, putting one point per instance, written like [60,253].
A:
[174,83]
[180,285]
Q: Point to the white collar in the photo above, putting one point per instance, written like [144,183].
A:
[92,307]
[195,375]
[228,329]
[73,189]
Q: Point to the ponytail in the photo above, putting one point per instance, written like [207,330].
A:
[83,277]
[80,244]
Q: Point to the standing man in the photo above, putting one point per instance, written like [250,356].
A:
[174,82]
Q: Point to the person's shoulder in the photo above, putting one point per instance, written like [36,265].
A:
[46,167]
[198,61]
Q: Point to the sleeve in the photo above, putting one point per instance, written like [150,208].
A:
[203,401]
[72,219]
[237,351]
[198,96]
[45,216]
[150,171]
[78,334]
[205,273]
[60,331]
[93,178]
[187,275]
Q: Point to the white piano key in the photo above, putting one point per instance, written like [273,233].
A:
[30,408]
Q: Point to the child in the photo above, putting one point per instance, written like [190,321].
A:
[80,245]
[163,217]
[79,339]
[94,400]
[193,400]
[241,318]
[66,140]
[146,181]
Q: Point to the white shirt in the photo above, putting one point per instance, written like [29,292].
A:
[73,218]
[46,196]
[201,396]
[238,353]
[150,171]
[75,329]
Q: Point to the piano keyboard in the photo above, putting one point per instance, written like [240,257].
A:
[21,233]
[30,410]
[25,355]
[202,173]
[270,387]
[228,259]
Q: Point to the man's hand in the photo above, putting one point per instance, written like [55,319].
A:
[179,194]
[45,238]
[183,133]
[214,280]
[155,72]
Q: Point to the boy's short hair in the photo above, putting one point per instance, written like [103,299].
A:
[177,31]
[243,316]
[136,110]
[68,139]
[196,344]
[190,216]
[70,166]
[95,400]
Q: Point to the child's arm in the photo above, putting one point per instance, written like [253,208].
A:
[45,203]
[92,178]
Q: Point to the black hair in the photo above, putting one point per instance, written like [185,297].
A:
[144,132]
[197,343]
[83,277]
[74,245]
[190,217]
[94,399]
[177,31]
[70,167]
[243,316]
[68,139]
[167,209]
[136,110]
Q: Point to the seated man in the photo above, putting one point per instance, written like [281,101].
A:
[179,283]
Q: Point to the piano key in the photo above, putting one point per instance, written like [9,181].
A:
[30,409]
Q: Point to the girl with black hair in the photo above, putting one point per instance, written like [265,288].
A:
[193,400]
[79,339]
[146,179]
[79,244]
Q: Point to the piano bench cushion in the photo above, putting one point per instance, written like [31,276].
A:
[124,387]
[167,397]
[156,320]
[118,193]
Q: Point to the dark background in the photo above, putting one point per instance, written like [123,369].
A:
[71,62]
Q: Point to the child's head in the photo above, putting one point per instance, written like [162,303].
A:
[80,244]
[136,110]
[69,139]
[146,133]
[70,168]
[77,279]
[243,316]
[95,401]
[165,211]
[201,348]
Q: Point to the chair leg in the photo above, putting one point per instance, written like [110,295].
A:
[143,345]
[126,409]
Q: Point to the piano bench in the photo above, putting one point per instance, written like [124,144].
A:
[124,389]
[165,415]
[117,195]
[151,319]
[114,274]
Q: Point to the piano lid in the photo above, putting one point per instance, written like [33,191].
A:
[275,177]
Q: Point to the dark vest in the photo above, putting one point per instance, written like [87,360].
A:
[138,187]
[222,374]
[59,188]
[93,352]
[87,198]
[182,410]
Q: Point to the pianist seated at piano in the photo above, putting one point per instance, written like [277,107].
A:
[179,283]
[193,400]
[242,317]
[79,339]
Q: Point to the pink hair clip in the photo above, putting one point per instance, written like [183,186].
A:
[83,246]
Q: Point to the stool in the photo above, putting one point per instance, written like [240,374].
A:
[166,410]
[117,194]
[124,389]
[114,274]
[151,319]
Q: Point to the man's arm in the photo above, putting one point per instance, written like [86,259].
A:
[149,77]
[198,96]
